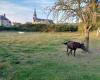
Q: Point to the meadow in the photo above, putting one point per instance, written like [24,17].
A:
[42,56]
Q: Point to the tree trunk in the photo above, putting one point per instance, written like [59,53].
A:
[86,31]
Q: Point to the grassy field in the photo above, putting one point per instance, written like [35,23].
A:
[42,56]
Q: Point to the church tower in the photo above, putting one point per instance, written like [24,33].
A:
[34,16]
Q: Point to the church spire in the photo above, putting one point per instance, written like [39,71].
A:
[35,15]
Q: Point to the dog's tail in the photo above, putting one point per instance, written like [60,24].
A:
[65,43]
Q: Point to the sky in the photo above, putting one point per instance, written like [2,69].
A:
[22,10]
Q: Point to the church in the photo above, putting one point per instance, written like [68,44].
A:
[37,20]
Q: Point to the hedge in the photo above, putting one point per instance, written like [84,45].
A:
[42,28]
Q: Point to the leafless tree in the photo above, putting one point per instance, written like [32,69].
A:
[78,9]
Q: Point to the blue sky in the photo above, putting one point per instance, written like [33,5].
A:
[22,10]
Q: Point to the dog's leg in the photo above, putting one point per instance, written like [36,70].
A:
[67,49]
[70,52]
[74,52]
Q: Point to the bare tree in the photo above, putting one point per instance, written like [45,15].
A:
[78,9]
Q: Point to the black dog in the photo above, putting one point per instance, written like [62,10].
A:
[73,46]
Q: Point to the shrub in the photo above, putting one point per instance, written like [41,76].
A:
[42,27]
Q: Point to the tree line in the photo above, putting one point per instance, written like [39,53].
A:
[29,27]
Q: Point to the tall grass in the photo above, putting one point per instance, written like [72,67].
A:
[42,56]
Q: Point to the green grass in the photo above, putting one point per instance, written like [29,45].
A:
[42,56]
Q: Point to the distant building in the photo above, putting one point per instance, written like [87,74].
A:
[37,20]
[4,21]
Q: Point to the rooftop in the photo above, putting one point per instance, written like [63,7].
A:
[2,17]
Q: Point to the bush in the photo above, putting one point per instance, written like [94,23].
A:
[66,27]
[94,26]
[42,27]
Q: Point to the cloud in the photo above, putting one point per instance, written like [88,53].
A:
[15,12]
[38,4]
[23,11]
